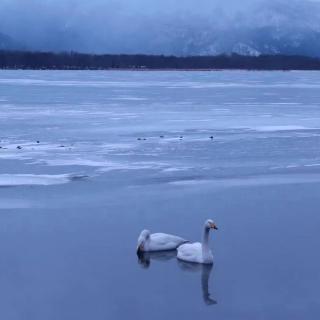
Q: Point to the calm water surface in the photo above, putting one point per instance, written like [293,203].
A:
[89,159]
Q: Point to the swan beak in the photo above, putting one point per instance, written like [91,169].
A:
[213,226]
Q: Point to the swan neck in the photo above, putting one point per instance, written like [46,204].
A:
[147,243]
[206,252]
[205,242]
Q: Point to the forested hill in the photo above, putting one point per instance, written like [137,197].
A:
[78,61]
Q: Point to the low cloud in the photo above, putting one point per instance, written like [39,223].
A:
[163,27]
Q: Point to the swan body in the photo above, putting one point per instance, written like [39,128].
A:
[158,242]
[192,252]
[198,252]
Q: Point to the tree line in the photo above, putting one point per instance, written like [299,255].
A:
[81,61]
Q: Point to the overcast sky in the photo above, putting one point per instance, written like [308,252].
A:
[100,25]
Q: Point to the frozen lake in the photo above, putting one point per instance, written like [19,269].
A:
[89,159]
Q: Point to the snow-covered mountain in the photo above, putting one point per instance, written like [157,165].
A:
[190,27]
[279,27]
[274,27]
[256,41]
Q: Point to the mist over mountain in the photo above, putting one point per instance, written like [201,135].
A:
[7,43]
[189,27]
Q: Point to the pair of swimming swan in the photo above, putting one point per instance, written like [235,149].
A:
[191,252]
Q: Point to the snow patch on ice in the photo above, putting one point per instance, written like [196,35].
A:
[11,180]
[281,128]
[263,180]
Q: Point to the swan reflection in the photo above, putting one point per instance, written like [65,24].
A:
[145,258]
[205,270]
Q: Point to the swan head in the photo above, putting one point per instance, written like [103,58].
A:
[143,238]
[209,224]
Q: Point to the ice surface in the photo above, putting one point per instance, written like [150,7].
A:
[163,151]
[110,121]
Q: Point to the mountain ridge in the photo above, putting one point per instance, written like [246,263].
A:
[268,27]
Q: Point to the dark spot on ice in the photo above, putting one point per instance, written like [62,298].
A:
[19,147]
[38,141]
[161,180]
[76,177]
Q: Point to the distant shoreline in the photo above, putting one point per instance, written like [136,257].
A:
[150,70]
[158,70]
[27,60]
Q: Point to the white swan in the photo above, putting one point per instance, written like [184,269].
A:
[198,252]
[158,242]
